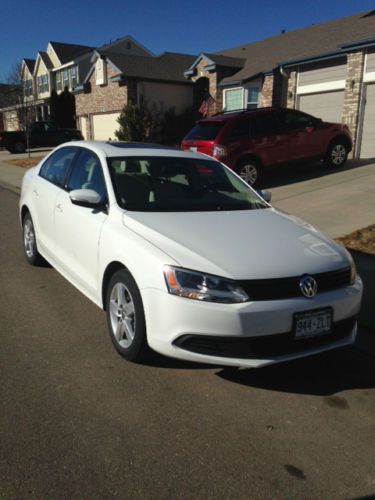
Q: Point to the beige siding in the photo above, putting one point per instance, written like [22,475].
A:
[83,126]
[325,105]
[166,95]
[370,66]
[368,130]
[53,56]
[322,75]
[104,126]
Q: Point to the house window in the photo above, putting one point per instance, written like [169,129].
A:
[28,87]
[39,83]
[45,83]
[73,76]
[252,97]
[58,81]
[65,78]
[233,99]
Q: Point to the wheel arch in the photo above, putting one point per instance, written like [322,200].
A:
[24,211]
[249,156]
[341,138]
[110,270]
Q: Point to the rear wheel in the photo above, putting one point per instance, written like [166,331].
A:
[19,147]
[249,170]
[32,255]
[336,155]
[125,317]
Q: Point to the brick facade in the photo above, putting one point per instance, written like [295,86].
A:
[292,90]
[109,98]
[352,96]
[213,80]
[267,91]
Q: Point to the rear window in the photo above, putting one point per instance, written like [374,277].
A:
[205,131]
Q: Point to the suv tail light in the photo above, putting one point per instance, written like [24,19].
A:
[219,151]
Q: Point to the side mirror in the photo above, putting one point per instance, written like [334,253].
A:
[266,195]
[86,198]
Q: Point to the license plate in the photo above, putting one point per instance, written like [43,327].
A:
[312,323]
[193,148]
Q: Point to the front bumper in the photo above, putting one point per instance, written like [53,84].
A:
[250,334]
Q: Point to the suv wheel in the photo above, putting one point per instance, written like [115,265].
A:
[19,147]
[249,170]
[336,155]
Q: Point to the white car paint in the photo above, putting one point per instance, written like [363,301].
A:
[241,245]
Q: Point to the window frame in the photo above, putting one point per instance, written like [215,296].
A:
[50,158]
[225,93]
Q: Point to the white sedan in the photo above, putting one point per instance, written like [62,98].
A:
[185,258]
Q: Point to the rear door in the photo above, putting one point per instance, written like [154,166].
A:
[268,139]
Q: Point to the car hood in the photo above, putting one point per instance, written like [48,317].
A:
[251,244]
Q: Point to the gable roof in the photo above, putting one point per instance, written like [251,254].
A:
[169,66]
[45,58]
[30,64]
[66,52]
[319,39]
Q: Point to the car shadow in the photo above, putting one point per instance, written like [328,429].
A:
[324,374]
[284,175]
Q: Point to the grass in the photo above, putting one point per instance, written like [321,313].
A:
[362,240]
[26,162]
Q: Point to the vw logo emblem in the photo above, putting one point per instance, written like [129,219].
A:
[308,286]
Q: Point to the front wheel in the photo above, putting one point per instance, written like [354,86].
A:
[32,255]
[250,171]
[19,147]
[336,155]
[125,317]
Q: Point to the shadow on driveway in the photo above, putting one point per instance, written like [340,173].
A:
[284,175]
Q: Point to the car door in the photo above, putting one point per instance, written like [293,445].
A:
[78,228]
[305,137]
[46,187]
[268,139]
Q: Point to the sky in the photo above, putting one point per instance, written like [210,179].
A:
[190,27]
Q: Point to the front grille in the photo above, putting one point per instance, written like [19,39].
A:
[286,288]
[262,347]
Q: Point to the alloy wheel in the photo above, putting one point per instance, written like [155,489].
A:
[338,154]
[122,315]
[249,173]
[29,238]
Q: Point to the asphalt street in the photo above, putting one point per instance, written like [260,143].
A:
[77,421]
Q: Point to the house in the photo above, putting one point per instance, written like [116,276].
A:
[8,98]
[325,69]
[118,77]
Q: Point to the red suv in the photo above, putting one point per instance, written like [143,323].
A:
[248,141]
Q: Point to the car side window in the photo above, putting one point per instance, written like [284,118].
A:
[294,121]
[56,167]
[241,128]
[87,174]
[265,124]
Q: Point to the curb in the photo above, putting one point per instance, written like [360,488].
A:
[10,187]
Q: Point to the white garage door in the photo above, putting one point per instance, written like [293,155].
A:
[83,126]
[368,130]
[325,105]
[104,126]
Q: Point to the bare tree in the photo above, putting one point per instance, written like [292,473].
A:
[24,114]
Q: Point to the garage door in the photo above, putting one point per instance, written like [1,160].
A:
[325,105]
[104,126]
[83,126]
[368,130]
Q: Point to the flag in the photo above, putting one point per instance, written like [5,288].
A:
[205,106]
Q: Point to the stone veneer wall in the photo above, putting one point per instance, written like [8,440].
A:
[292,90]
[109,98]
[213,79]
[267,91]
[353,91]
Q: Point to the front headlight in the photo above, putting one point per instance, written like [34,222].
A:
[200,286]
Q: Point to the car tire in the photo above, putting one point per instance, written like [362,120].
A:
[250,170]
[30,246]
[336,154]
[19,147]
[125,317]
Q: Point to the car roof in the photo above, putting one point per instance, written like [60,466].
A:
[119,149]
[229,115]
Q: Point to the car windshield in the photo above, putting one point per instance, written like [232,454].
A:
[204,131]
[177,184]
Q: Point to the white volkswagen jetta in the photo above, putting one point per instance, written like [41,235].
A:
[185,258]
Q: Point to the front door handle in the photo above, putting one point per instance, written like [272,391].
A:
[59,207]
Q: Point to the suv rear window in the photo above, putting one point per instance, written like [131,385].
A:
[205,131]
